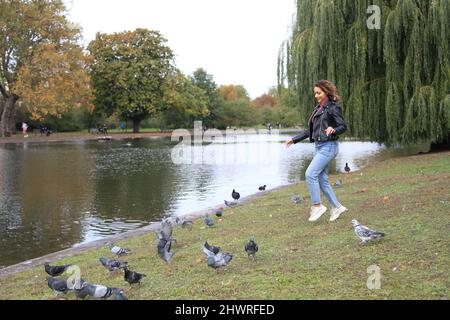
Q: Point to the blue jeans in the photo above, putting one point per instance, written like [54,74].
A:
[317,173]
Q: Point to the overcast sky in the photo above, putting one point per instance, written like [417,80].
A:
[237,41]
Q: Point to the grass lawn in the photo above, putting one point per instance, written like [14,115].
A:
[408,198]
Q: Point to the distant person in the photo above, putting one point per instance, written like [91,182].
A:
[24,129]
[122,126]
[326,123]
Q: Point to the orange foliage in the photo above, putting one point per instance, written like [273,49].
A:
[264,100]
[55,81]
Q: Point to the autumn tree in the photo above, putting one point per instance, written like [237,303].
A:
[40,61]
[55,81]
[237,110]
[128,71]
[233,92]
[389,59]
[264,100]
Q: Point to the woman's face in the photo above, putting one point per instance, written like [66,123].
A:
[319,94]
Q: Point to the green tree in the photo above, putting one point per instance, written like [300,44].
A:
[183,101]
[128,72]
[394,80]
[205,81]
[39,60]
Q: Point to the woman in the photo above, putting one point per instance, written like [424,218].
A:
[325,125]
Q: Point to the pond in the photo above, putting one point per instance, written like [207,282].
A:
[56,195]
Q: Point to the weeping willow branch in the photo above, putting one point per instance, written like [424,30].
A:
[393,81]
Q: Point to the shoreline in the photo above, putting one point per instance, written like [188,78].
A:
[77,136]
[153,226]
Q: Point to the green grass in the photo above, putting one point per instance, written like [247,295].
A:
[298,259]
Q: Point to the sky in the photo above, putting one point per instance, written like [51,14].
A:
[236,41]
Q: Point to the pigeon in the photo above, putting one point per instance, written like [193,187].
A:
[230,204]
[83,291]
[112,264]
[251,248]
[219,260]
[347,168]
[57,285]
[296,198]
[187,223]
[208,221]
[338,184]
[166,229]
[118,250]
[183,223]
[97,291]
[262,188]
[213,249]
[235,195]
[55,270]
[219,212]
[132,277]
[163,247]
[364,233]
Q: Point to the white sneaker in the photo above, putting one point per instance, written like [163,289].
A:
[316,212]
[336,212]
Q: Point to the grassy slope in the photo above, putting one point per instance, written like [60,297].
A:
[299,259]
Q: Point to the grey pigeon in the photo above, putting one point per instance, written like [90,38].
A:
[112,264]
[163,247]
[97,291]
[183,223]
[186,223]
[216,261]
[338,184]
[365,233]
[166,229]
[213,249]
[251,248]
[57,285]
[118,250]
[133,277]
[208,221]
[83,291]
[230,204]
[296,198]
[55,270]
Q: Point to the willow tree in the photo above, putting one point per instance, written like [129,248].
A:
[388,58]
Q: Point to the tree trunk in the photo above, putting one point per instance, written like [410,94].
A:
[7,126]
[136,125]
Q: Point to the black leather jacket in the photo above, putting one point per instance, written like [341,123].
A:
[329,116]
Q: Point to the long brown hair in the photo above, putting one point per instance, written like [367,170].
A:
[329,89]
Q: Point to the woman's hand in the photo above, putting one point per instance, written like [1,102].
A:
[288,143]
[329,131]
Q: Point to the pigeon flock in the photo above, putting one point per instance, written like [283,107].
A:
[215,258]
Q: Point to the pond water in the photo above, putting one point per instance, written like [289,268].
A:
[55,195]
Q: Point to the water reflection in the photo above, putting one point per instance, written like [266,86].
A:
[56,195]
